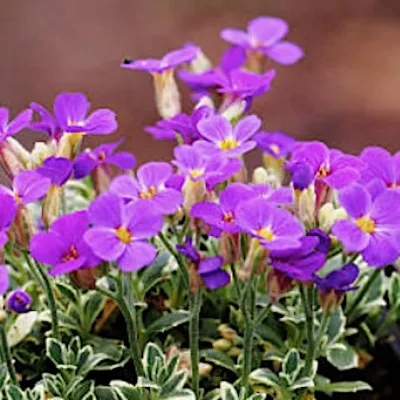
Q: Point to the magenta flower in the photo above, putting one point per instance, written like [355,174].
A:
[222,216]
[332,167]
[19,301]
[4,279]
[275,144]
[28,186]
[149,186]
[171,60]
[208,268]
[10,128]
[195,165]
[338,281]
[57,169]
[373,226]
[87,161]
[8,210]
[120,232]
[70,116]
[220,136]
[279,196]
[265,34]
[63,246]
[275,228]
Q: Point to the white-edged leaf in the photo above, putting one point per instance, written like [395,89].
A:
[228,392]
[343,387]
[266,377]
[342,356]
[21,327]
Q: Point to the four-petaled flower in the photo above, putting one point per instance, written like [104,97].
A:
[264,35]
[373,227]
[63,246]
[120,231]
[149,186]
[275,144]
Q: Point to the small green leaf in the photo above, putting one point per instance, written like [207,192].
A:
[56,351]
[184,394]
[219,358]
[125,390]
[175,383]
[228,392]
[257,396]
[93,306]
[3,375]
[154,274]
[343,387]
[394,290]
[342,356]
[301,383]
[291,365]
[67,291]
[105,393]
[169,321]
[336,326]
[152,357]
[14,393]
[266,377]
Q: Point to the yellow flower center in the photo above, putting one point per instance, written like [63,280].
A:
[266,234]
[123,235]
[196,173]
[101,156]
[72,254]
[323,171]
[274,148]
[366,224]
[228,144]
[17,197]
[228,217]
[149,194]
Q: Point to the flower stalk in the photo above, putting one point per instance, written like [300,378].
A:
[195,307]
[307,297]
[6,353]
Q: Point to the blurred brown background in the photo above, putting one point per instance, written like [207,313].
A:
[346,90]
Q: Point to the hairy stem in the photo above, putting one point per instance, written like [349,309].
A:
[308,305]
[6,353]
[195,307]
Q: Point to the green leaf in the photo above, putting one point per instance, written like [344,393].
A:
[56,351]
[67,291]
[105,393]
[3,375]
[83,391]
[175,383]
[184,394]
[291,365]
[342,356]
[125,390]
[219,358]
[93,306]
[152,355]
[169,321]
[154,275]
[257,396]
[336,326]
[83,362]
[14,393]
[394,290]
[266,377]
[301,383]
[343,387]
[228,392]
[268,334]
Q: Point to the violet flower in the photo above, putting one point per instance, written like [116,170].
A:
[9,128]
[264,35]
[373,227]
[209,269]
[19,301]
[275,228]
[149,186]
[220,136]
[102,155]
[338,281]
[57,169]
[63,246]
[279,196]
[4,279]
[28,186]
[331,167]
[8,210]
[275,144]
[222,216]
[120,232]
[70,116]
[302,175]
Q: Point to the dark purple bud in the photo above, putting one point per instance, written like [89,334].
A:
[19,301]
[302,175]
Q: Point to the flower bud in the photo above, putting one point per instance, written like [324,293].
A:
[101,178]
[304,205]
[328,215]
[275,167]
[167,94]
[228,333]
[278,284]
[201,63]
[10,158]
[3,316]
[205,369]
[222,344]
[69,145]
[23,227]
[233,110]
[52,205]
[193,192]
[228,247]
[260,176]
[19,301]
[40,152]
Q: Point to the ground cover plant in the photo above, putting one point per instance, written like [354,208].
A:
[196,278]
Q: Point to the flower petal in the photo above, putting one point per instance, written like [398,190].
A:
[4,279]
[168,201]
[246,128]
[235,36]
[67,267]
[105,243]
[154,174]
[381,250]
[285,53]
[123,160]
[356,200]
[48,248]
[215,128]
[106,210]
[137,255]
[351,236]
[267,30]
[146,220]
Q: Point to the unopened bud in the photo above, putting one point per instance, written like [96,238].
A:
[3,316]
[10,160]
[167,94]
[233,110]
[304,205]
[222,344]
[327,216]
[201,63]
[260,176]
[41,151]
[69,145]
[278,284]
[52,205]
[275,167]
[193,192]
[228,247]
[23,227]
[205,369]
[234,352]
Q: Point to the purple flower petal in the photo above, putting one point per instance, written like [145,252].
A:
[216,279]
[71,108]
[84,164]
[106,211]
[234,194]
[105,243]
[57,169]
[246,128]
[233,58]
[267,30]
[209,212]
[215,128]
[67,267]
[351,236]
[168,201]
[154,174]
[123,160]
[4,279]
[381,250]
[4,115]
[356,200]
[380,165]
[71,227]
[126,187]
[146,220]
[285,53]
[48,248]
[137,255]
[385,210]
[235,36]
[188,250]
[101,122]
[30,186]
[7,210]
[340,178]
[209,264]
[20,122]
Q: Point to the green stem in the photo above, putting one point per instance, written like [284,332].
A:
[361,294]
[309,313]
[177,257]
[129,312]
[235,281]
[6,352]
[195,307]
[322,329]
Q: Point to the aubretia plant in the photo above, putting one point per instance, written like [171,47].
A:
[194,278]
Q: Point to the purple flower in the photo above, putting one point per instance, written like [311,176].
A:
[265,34]
[373,226]
[196,166]
[57,169]
[381,165]
[120,232]
[222,216]
[275,228]
[28,186]
[10,128]
[171,60]
[87,161]
[222,137]
[339,281]
[8,210]
[149,186]
[275,144]
[302,175]
[63,246]
[208,268]
[4,279]
[70,115]
[324,240]
[300,263]
[279,196]
[19,301]
[331,167]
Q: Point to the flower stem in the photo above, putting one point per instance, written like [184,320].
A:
[195,307]
[308,305]
[361,294]
[325,319]
[127,307]
[7,354]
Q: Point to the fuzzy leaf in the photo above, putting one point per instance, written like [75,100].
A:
[3,375]
[169,321]
[21,327]
[228,392]
[291,365]
[56,351]
[152,355]
[257,396]
[175,383]
[342,356]
[93,306]
[154,274]
[266,377]
[343,387]
[184,394]
[219,358]
[394,290]
[14,393]
[301,383]
[125,391]
[336,326]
